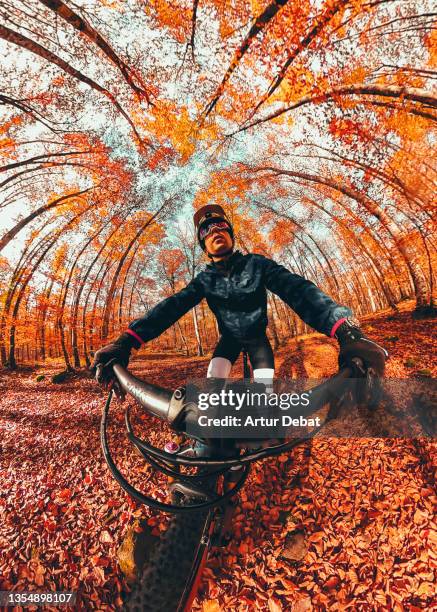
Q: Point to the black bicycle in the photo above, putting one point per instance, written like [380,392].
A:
[202,499]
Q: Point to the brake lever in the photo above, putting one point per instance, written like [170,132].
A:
[368,390]
[113,384]
[98,375]
[120,393]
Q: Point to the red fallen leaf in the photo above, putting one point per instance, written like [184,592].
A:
[274,606]
[426,492]
[374,513]
[50,526]
[87,479]
[316,536]
[132,503]
[332,582]
[113,503]
[303,605]
[103,562]
[53,508]
[99,561]
[24,571]
[40,504]
[100,574]
[274,514]
[65,494]
[39,575]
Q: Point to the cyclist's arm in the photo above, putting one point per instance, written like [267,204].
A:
[311,304]
[167,312]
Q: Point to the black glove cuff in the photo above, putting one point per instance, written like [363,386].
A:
[349,331]
[127,342]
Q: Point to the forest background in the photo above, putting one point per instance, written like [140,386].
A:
[311,122]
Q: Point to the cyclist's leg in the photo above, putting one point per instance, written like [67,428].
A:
[262,360]
[225,355]
[223,358]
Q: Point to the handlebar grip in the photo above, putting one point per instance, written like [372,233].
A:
[99,370]
[155,400]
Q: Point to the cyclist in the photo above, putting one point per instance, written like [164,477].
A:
[234,286]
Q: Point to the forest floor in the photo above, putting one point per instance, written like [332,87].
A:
[336,524]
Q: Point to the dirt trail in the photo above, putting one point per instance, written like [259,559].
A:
[358,513]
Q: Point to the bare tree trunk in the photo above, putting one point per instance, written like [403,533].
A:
[110,297]
[273,327]
[196,331]
[183,338]
[25,282]
[47,295]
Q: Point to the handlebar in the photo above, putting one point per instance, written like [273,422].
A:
[170,406]
[153,398]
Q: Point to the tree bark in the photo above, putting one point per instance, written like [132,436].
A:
[196,331]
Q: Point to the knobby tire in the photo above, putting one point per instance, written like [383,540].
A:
[165,574]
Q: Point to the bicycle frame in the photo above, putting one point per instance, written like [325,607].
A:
[215,528]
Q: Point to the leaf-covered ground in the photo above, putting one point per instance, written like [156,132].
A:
[337,524]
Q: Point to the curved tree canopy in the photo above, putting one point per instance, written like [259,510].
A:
[311,122]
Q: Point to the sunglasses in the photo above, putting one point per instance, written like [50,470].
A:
[219,225]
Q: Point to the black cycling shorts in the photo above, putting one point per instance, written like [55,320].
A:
[259,351]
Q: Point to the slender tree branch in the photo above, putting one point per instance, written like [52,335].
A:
[323,20]
[86,29]
[261,22]
[386,91]
[26,43]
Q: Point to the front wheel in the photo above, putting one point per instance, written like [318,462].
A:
[171,574]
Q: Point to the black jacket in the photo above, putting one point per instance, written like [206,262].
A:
[237,296]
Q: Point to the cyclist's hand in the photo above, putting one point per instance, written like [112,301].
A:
[117,352]
[353,343]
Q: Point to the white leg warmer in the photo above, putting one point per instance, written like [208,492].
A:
[265,376]
[219,367]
